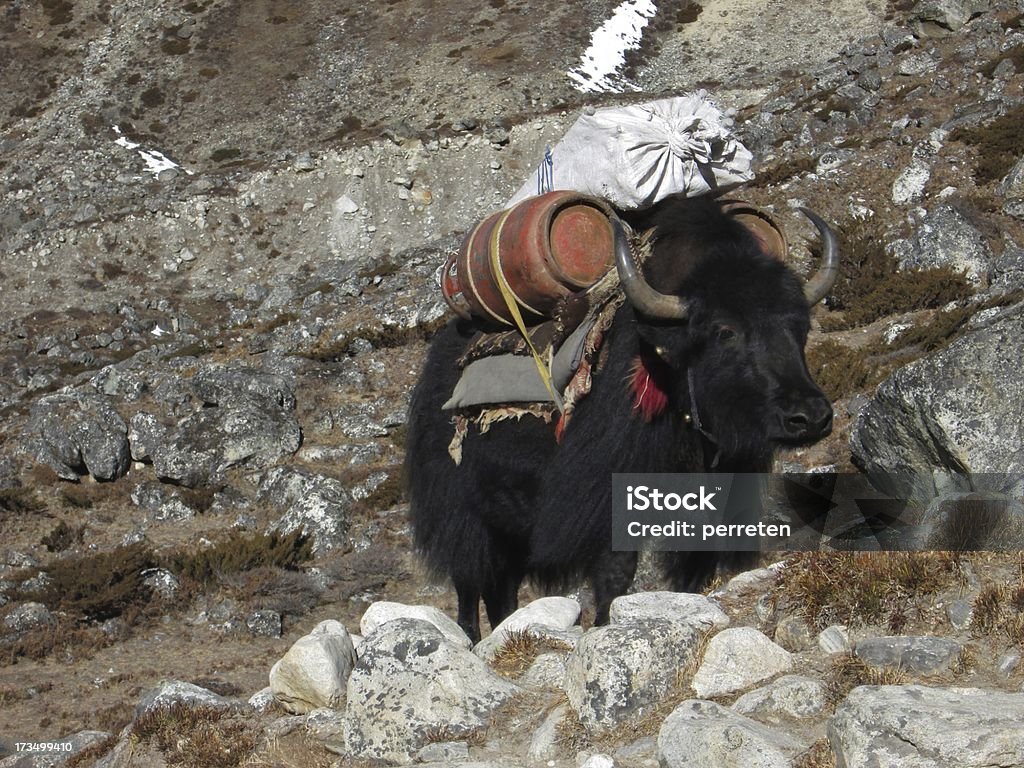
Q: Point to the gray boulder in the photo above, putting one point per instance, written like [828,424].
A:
[791,696]
[953,414]
[409,684]
[911,725]
[914,654]
[78,433]
[945,16]
[321,506]
[947,239]
[617,671]
[382,612]
[544,617]
[314,671]
[737,659]
[178,692]
[702,734]
[697,610]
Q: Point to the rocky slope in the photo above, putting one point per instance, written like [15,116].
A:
[200,363]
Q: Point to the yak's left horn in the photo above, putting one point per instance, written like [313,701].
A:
[640,294]
[818,286]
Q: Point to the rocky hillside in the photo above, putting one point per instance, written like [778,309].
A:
[220,227]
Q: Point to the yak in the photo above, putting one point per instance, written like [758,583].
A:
[702,369]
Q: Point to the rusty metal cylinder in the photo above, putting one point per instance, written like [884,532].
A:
[542,250]
[761,224]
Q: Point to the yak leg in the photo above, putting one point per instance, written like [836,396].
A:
[610,578]
[502,597]
[469,611]
[690,571]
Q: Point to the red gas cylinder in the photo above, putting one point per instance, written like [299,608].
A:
[542,249]
[762,225]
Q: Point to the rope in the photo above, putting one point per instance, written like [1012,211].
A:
[510,301]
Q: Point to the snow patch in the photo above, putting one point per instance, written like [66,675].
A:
[155,160]
[609,43]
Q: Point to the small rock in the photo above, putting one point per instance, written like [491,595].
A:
[264,623]
[791,696]
[175,692]
[960,613]
[558,613]
[702,734]
[834,639]
[737,659]
[696,610]
[345,205]
[314,671]
[914,654]
[793,634]
[381,612]
[1008,664]
[28,616]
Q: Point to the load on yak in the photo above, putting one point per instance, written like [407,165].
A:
[637,322]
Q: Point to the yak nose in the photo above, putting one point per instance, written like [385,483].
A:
[806,419]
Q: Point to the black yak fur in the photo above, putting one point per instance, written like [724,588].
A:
[521,505]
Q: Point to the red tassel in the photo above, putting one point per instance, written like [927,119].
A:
[648,397]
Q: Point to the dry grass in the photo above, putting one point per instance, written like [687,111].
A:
[240,552]
[999,610]
[848,672]
[871,286]
[998,143]
[197,737]
[99,586]
[857,588]
[820,755]
[520,649]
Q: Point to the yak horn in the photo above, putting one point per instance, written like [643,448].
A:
[818,286]
[641,295]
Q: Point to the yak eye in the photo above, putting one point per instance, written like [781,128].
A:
[725,333]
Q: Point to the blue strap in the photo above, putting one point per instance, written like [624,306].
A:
[546,177]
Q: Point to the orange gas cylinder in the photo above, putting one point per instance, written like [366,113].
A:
[542,249]
[762,226]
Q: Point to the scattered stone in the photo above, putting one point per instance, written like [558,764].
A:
[408,683]
[381,612]
[913,654]
[791,696]
[912,449]
[702,734]
[28,616]
[161,581]
[263,701]
[545,613]
[793,634]
[834,639]
[264,623]
[737,659]
[345,205]
[314,671]
[616,669]
[947,239]
[910,185]
[318,505]
[890,726]
[76,434]
[178,692]
[697,610]
[443,752]
[959,613]
[545,742]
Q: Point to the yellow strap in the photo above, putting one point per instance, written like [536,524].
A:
[513,308]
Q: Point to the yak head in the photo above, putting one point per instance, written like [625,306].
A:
[721,327]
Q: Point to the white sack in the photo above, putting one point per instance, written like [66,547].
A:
[634,156]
